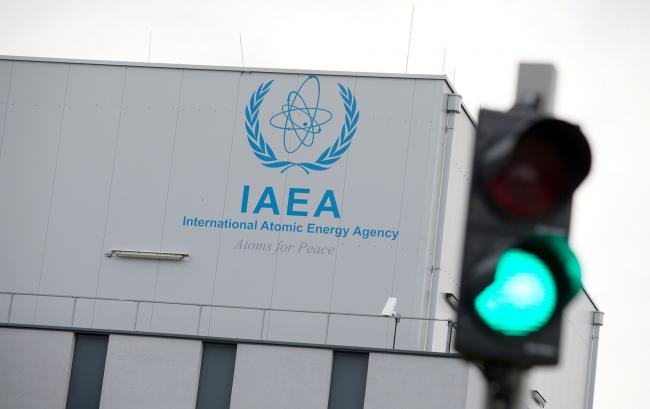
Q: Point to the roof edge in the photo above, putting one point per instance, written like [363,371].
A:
[590,298]
[225,68]
[240,69]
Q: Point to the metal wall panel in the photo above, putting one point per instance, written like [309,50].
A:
[182,319]
[449,252]
[424,173]
[232,323]
[55,311]
[144,316]
[415,382]
[197,184]
[247,277]
[5,307]
[566,385]
[148,372]
[108,314]
[408,335]
[83,313]
[83,176]
[6,72]
[35,368]
[297,326]
[451,249]
[313,274]
[141,180]
[373,194]
[274,377]
[476,389]
[27,168]
[375,332]
[23,309]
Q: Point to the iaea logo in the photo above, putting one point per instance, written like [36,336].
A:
[301,120]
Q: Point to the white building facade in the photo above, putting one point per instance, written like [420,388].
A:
[270,213]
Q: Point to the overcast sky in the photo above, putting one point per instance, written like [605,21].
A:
[600,47]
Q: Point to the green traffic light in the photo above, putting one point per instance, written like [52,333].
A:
[522,297]
[570,264]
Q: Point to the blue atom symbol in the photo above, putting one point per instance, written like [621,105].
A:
[299,120]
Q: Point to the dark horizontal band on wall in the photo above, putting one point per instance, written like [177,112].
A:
[230,340]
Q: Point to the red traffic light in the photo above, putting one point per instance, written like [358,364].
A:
[547,162]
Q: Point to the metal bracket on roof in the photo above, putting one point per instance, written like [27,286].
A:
[598,318]
[454,106]
[454,103]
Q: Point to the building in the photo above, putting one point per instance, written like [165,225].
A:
[183,236]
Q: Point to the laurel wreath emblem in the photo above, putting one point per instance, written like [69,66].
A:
[330,156]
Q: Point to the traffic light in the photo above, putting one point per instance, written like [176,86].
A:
[518,270]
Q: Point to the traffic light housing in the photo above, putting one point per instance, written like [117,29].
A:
[518,271]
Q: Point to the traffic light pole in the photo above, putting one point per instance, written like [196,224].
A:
[504,386]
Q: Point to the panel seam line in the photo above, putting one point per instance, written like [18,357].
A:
[4,121]
[225,196]
[169,182]
[110,191]
[53,188]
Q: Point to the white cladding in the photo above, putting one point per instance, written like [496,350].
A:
[150,373]
[97,157]
[35,368]
[284,377]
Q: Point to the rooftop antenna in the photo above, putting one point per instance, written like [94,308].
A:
[444,58]
[408,50]
[149,51]
[241,51]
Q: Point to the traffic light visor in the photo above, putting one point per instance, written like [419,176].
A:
[548,161]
